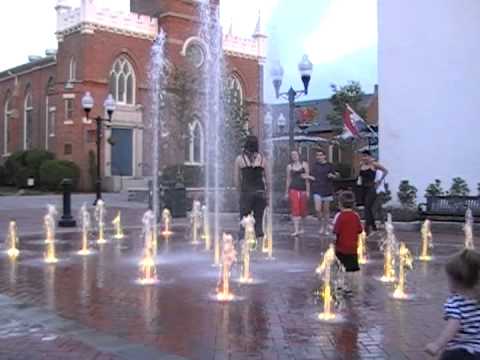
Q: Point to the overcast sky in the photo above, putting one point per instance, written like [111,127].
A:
[340,36]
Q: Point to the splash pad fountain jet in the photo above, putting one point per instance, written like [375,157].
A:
[117,223]
[206,228]
[331,271]
[195,218]
[248,222]
[167,223]
[86,223]
[267,243]
[157,128]
[405,262]
[426,241]
[49,223]
[211,36]
[12,239]
[389,246]
[229,256]
[100,213]
[148,270]
[362,248]
[468,229]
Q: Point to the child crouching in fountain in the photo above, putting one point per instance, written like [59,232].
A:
[347,226]
[460,339]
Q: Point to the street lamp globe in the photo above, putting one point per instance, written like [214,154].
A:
[87,102]
[306,68]
[109,105]
[277,76]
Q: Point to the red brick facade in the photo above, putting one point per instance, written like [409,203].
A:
[94,53]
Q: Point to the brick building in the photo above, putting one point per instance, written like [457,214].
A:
[104,51]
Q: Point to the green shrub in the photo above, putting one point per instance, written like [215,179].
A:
[35,158]
[22,175]
[407,194]
[459,187]
[52,172]
[3,175]
[435,189]
[24,164]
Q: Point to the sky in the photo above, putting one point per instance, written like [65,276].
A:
[339,36]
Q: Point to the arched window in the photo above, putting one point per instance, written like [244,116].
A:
[7,115]
[196,143]
[122,81]
[27,121]
[235,85]
[49,112]
[72,70]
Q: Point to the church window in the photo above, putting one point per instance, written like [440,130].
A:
[122,82]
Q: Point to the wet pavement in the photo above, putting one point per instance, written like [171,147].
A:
[92,305]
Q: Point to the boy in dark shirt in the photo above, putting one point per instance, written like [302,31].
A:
[347,227]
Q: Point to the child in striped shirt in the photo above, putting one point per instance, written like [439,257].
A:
[461,337]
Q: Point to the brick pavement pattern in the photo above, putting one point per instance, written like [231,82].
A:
[275,320]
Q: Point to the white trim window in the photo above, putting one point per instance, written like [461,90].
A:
[69,108]
[235,84]
[196,144]
[28,122]
[122,82]
[52,118]
[72,70]
[7,115]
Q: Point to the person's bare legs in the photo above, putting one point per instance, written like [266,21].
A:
[296,225]
[326,216]
[319,211]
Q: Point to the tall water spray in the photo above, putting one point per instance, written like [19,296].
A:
[157,126]
[267,246]
[213,115]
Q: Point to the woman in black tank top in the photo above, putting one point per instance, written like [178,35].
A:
[298,191]
[367,180]
[250,180]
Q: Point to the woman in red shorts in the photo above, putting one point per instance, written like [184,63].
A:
[298,191]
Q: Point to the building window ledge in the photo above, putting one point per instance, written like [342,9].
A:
[193,163]
[68,122]
[6,155]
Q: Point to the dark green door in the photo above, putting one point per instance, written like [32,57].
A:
[122,152]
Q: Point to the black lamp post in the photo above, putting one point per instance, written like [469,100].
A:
[109,107]
[305,67]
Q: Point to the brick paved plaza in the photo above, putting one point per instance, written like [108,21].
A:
[91,308]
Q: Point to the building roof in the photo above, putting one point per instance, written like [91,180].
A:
[321,108]
[32,65]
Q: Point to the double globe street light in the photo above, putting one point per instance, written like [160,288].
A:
[109,106]
[305,68]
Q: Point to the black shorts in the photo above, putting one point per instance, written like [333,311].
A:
[349,261]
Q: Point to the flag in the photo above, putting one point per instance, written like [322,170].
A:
[353,125]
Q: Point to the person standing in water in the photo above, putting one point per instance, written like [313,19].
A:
[251,181]
[298,191]
[323,173]
[368,185]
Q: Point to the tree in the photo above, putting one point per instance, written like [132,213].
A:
[236,128]
[435,189]
[459,187]
[351,94]
[407,194]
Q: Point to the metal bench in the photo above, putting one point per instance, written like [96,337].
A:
[450,208]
